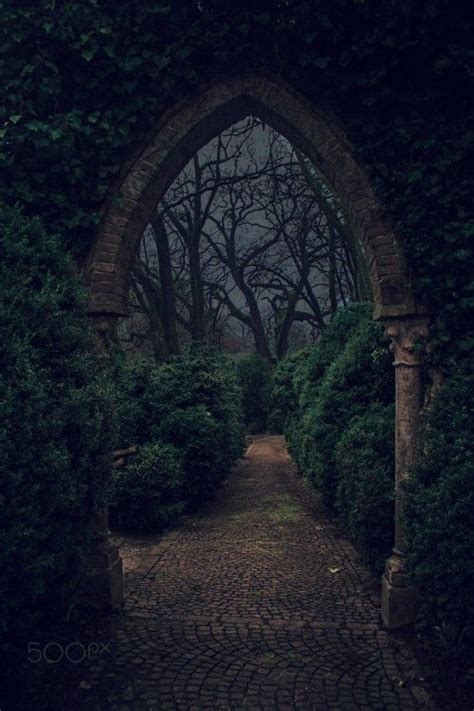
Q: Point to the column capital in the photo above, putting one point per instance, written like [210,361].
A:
[408,338]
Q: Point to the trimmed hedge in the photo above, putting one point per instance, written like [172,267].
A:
[339,424]
[149,491]
[57,428]
[201,439]
[439,514]
[359,376]
[190,407]
[364,461]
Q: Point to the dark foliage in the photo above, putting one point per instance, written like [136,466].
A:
[57,426]
[364,461]
[255,377]
[339,424]
[186,411]
[439,515]
[148,493]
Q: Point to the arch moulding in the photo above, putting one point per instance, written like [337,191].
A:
[188,126]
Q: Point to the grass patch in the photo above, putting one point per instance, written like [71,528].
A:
[286,509]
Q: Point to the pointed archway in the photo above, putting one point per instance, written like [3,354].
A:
[180,133]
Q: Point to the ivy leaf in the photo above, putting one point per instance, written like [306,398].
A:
[15,118]
[89,53]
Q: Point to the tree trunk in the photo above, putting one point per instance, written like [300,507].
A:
[198,331]
[168,301]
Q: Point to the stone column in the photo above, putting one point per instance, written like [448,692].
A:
[102,575]
[408,337]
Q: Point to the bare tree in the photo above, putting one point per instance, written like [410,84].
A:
[248,233]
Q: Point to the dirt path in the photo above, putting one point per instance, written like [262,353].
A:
[256,603]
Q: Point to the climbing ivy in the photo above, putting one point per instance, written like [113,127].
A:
[84,82]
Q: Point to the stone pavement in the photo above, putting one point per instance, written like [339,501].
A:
[255,603]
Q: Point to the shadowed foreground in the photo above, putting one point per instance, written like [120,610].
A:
[254,603]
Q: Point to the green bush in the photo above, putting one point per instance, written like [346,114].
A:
[200,439]
[338,396]
[439,513]
[284,391]
[276,421]
[299,377]
[364,460]
[255,378]
[360,375]
[57,427]
[333,340]
[135,382]
[148,492]
[192,404]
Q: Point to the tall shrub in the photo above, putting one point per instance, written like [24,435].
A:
[148,493]
[306,371]
[284,393]
[191,407]
[439,513]
[57,426]
[364,462]
[360,375]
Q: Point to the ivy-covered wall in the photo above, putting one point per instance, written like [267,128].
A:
[85,81]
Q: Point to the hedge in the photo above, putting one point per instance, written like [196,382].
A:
[191,407]
[339,425]
[57,428]
[149,491]
[439,514]
[364,461]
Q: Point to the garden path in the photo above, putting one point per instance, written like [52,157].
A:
[255,603]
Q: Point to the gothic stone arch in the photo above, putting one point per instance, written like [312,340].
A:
[180,133]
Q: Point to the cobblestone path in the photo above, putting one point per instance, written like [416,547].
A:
[256,603]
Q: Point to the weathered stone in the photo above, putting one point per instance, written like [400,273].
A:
[407,339]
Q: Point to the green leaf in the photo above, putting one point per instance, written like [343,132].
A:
[89,53]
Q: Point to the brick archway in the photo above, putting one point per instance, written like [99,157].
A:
[180,133]
[183,130]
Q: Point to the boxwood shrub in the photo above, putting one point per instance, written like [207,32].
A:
[439,514]
[57,428]
[148,492]
[364,461]
[200,438]
[360,375]
[338,395]
[190,406]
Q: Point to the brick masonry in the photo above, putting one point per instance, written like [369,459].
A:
[191,124]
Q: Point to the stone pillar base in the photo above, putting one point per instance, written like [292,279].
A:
[102,584]
[398,595]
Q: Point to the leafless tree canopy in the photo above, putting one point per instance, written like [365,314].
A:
[248,249]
